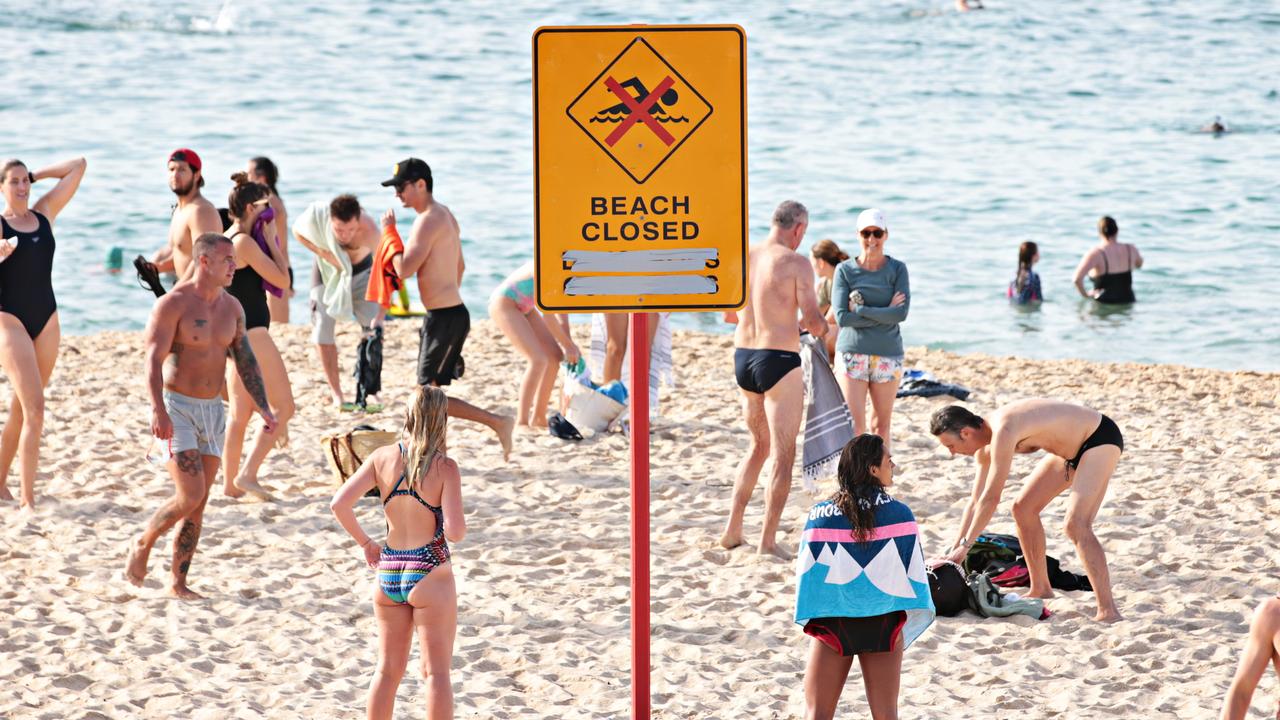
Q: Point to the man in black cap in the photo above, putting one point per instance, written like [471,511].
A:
[433,253]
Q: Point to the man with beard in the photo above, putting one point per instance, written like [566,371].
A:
[192,217]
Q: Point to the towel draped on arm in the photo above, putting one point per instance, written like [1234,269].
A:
[384,281]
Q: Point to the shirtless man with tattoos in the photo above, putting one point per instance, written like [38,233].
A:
[191,332]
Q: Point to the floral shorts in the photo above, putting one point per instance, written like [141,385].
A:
[870,368]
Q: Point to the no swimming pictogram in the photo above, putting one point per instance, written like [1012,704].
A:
[640,188]
[637,127]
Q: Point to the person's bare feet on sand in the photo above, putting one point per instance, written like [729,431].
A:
[729,542]
[135,567]
[1045,595]
[775,551]
[1108,616]
[5,494]
[505,430]
[249,486]
[182,592]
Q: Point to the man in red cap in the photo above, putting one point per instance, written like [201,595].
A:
[192,216]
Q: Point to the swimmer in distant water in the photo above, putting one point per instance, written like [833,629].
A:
[1216,127]
[967,5]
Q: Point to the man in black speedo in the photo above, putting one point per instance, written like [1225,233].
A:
[767,366]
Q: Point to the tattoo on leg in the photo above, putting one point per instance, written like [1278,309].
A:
[184,547]
[201,322]
[189,463]
[164,519]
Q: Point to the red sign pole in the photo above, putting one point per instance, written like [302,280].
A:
[639,344]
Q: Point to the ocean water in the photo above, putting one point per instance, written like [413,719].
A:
[972,131]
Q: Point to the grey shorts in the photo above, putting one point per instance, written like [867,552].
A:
[197,424]
[322,323]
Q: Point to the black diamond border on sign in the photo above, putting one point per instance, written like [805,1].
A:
[639,181]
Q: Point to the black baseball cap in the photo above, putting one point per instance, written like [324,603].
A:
[409,170]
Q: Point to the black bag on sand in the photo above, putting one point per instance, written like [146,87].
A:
[949,590]
[368,370]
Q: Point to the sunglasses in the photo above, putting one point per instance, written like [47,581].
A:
[877,234]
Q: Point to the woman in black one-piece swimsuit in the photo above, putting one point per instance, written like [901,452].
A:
[29,329]
[1109,288]
[253,266]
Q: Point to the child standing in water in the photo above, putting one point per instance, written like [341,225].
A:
[415,592]
[1025,287]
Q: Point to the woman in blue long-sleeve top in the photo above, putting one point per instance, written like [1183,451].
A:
[871,295]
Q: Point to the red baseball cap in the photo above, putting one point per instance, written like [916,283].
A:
[187,156]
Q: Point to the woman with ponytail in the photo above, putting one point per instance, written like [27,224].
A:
[415,591]
[862,587]
[259,263]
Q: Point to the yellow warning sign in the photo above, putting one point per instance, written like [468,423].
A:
[640,168]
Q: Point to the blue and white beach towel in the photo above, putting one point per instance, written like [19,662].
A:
[837,577]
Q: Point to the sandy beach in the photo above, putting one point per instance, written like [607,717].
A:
[1191,526]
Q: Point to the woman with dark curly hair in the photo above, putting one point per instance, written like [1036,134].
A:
[862,587]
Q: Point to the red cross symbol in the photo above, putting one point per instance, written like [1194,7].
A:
[639,111]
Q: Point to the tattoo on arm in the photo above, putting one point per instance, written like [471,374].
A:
[247,366]
[201,322]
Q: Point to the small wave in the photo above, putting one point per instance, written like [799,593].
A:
[661,118]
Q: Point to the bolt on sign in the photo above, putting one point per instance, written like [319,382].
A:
[640,167]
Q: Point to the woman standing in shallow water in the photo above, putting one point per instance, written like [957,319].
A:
[29,329]
[1102,263]
[415,592]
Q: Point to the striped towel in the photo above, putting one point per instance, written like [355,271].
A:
[828,426]
[660,364]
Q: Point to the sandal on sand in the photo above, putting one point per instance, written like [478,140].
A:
[148,276]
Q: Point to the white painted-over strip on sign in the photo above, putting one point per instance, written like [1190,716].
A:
[641,286]
[641,261]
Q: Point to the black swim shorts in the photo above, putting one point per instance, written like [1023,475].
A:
[440,345]
[851,636]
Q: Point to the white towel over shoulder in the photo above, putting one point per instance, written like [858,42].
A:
[313,224]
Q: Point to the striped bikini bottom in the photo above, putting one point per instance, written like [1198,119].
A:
[400,570]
